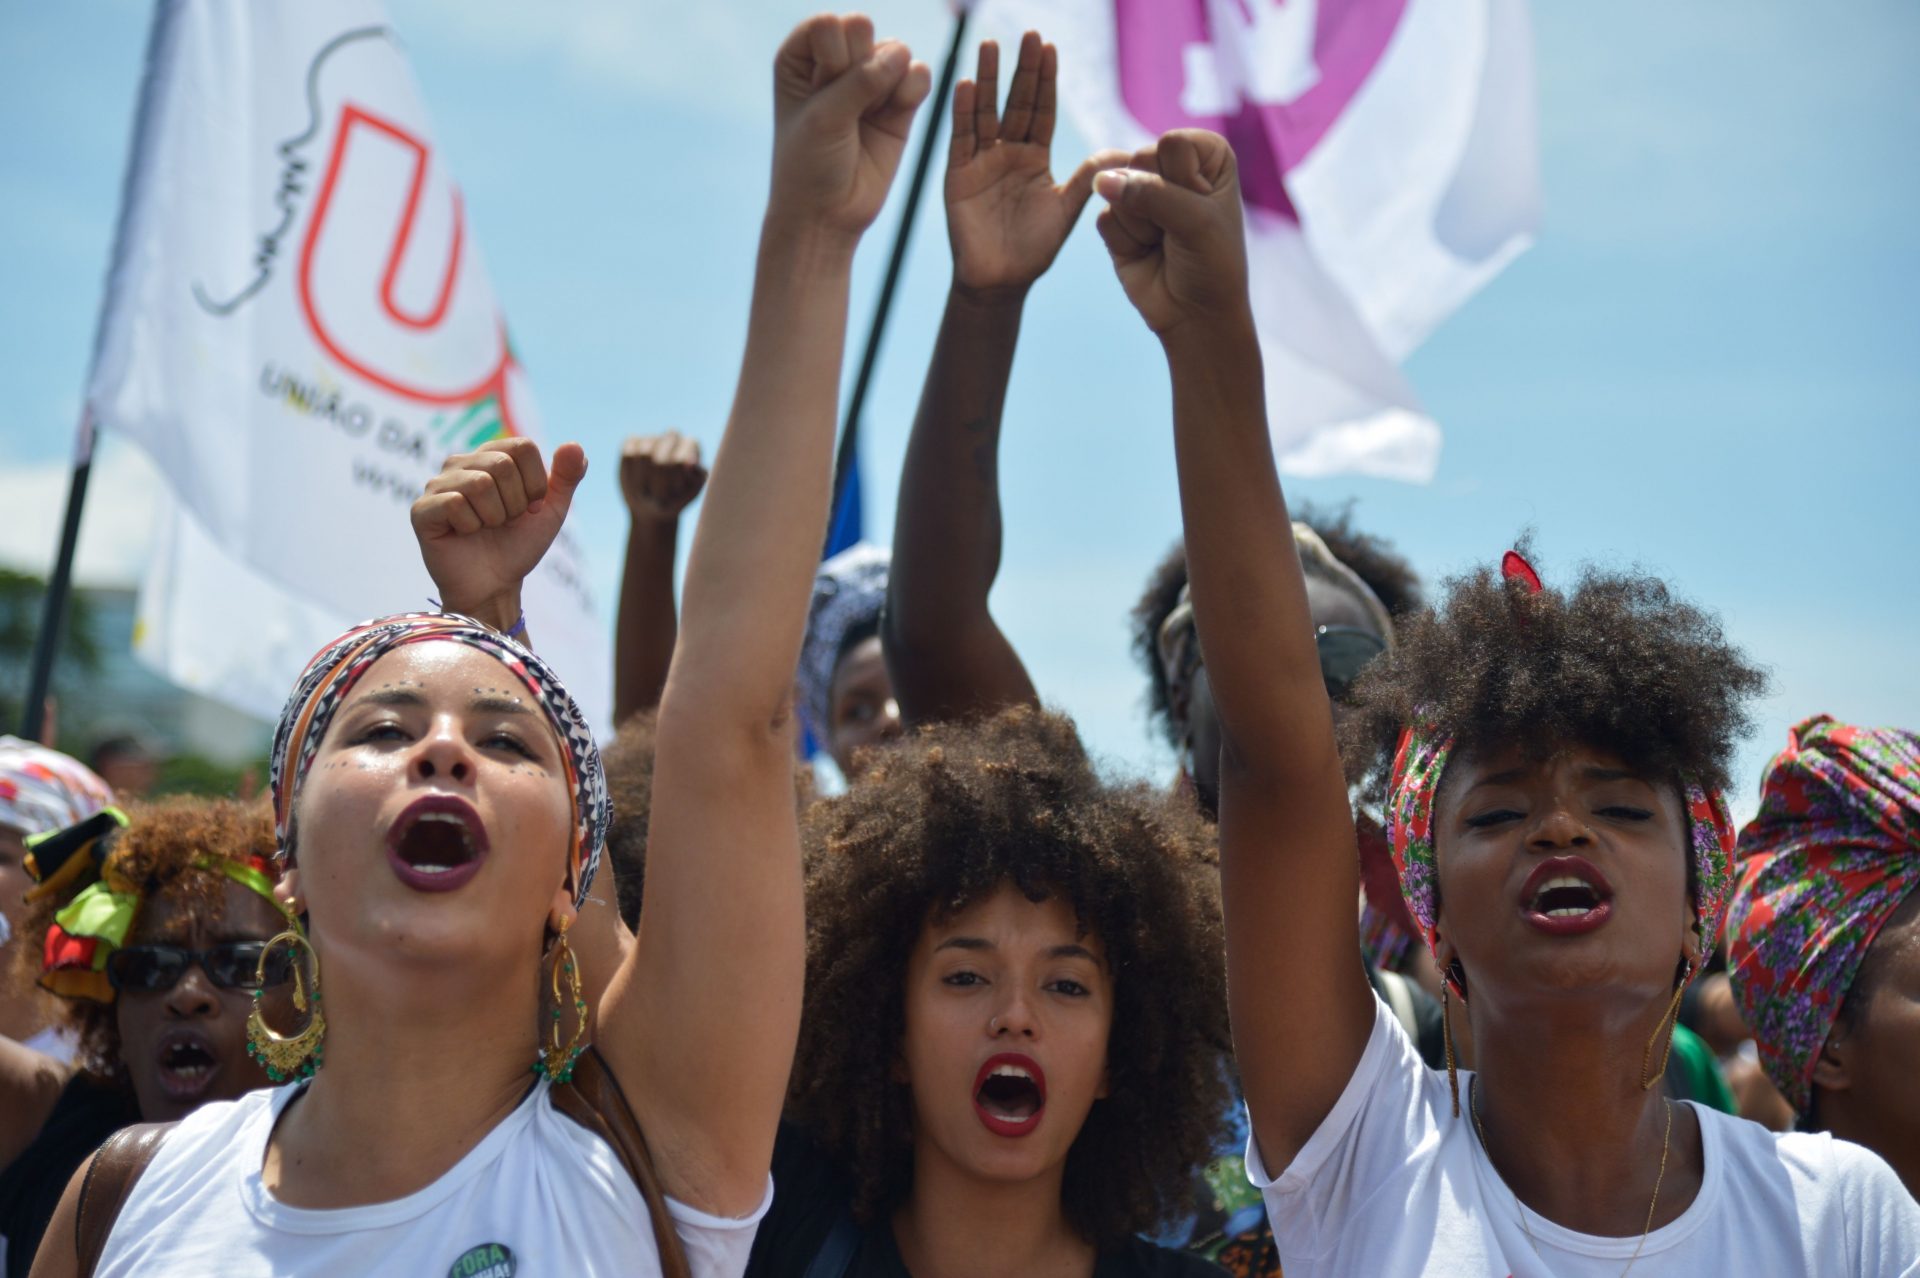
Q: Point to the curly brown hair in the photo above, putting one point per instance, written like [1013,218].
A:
[1616,661]
[628,764]
[160,853]
[1373,559]
[943,821]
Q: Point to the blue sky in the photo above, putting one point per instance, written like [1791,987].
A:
[1709,364]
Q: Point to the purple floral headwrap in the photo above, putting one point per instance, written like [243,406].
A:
[1831,855]
[330,676]
[1420,761]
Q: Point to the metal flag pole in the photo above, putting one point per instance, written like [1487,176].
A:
[53,611]
[850,427]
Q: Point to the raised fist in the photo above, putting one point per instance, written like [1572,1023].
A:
[842,107]
[1173,227]
[1006,219]
[486,520]
[660,475]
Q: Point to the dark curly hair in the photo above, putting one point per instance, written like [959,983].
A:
[155,857]
[1616,661]
[1374,560]
[954,813]
[628,763]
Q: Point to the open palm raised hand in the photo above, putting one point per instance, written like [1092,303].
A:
[1005,217]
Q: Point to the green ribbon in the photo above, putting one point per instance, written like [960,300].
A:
[102,913]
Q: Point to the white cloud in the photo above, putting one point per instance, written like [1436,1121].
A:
[115,529]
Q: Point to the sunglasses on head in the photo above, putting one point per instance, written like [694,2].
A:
[1344,652]
[231,965]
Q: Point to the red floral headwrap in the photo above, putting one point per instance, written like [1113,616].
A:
[1831,855]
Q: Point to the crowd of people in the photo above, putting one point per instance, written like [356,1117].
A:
[1440,956]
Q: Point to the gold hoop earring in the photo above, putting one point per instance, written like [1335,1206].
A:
[1446,1033]
[288,1056]
[1671,1014]
[556,1060]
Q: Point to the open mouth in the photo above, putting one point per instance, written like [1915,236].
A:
[187,1064]
[437,843]
[1009,1094]
[1566,895]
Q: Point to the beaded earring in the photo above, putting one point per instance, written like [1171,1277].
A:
[298,1055]
[556,1060]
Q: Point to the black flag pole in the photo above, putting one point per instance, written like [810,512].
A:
[53,609]
[850,427]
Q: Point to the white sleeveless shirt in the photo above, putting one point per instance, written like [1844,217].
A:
[539,1195]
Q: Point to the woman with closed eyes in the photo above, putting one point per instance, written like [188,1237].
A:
[1551,760]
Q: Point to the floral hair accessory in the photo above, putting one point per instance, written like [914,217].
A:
[1420,760]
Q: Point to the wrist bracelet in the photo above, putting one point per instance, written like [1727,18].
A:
[518,628]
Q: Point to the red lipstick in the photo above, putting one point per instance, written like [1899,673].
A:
[1566,896]
[1010,1094]
[437,843]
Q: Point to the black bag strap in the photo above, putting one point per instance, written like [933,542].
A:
[594,1100]
[111,1176]
[836,1253]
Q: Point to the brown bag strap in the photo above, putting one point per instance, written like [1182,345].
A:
[594,1100]
[110,1180]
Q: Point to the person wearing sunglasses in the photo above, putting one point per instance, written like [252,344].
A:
[150,924]
[1356,585]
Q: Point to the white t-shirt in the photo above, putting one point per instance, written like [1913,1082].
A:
[1393,1185]
[539,1195]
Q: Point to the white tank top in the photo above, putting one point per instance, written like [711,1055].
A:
[539,1195]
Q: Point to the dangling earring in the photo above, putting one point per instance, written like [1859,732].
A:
[1446,1032]
[296,1056]
[1671,1014]
[555,1062]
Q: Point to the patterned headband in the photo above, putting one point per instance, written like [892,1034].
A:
[1420,761]
[331,675]
[1831,855]
[848,591]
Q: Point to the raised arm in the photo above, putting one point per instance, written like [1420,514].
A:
[1298,997]
[700,1023]
[660,475]
[1006,221]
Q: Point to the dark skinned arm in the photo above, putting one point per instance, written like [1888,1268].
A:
[1288,860]
[1006,221]
[659,478]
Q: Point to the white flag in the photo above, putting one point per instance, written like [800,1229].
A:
[298,329]
[1389,165]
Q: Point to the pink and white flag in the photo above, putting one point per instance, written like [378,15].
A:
[298,329]
[1389,165]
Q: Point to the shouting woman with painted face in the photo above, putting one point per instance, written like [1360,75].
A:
[442,810]
[1552,775]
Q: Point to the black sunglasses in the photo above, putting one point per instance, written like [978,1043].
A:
[1344,652]
[232,965]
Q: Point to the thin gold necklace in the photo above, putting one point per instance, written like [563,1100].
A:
[1473,1107]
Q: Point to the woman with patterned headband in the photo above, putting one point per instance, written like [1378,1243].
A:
[1551,791]
[149,925]
[441,812]
[1825,934]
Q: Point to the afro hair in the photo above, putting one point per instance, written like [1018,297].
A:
[1386,572]
[941,822]
[1616,662]
[161,854]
